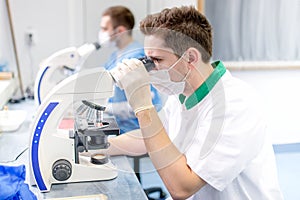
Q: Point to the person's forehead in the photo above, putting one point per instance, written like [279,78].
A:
[154,43]
[105,21]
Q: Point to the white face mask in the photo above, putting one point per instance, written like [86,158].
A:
[104,39]
[161,80]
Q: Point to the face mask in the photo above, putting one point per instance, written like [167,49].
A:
[104,39]
[161,80]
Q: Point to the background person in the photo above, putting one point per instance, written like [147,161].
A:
[116,27]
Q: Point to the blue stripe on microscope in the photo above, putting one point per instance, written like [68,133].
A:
[35,145]
[39,85]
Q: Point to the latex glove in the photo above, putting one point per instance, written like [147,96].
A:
[121,110]
[131,75]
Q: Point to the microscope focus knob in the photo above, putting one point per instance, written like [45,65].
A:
[62,170]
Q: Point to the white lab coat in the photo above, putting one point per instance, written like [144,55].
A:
[224,140]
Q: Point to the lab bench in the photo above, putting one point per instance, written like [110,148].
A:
[12,144]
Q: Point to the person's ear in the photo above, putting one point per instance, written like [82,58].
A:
[193,55]
[121,29]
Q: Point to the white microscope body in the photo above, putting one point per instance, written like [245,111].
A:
[58,66]
[53,154]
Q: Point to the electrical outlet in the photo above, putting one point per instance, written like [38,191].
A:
[30,37]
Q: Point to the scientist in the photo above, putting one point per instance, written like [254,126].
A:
[116,27]
[212,142]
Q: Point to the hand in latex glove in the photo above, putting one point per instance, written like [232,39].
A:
[131,75]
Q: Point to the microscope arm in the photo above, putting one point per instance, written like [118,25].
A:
[69,59]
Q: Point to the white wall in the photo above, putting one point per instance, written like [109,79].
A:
[280,92]
[6,50]
[156,6]
[53,28]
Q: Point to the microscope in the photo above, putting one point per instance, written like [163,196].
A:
[92,131]
[60,65]
[54,151]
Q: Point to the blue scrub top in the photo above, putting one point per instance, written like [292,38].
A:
[133,50]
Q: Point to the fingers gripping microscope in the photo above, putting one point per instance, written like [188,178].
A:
[54,152]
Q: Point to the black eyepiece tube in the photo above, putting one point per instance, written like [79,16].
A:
[148,63]
[97,45]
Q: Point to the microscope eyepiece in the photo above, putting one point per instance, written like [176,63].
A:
[97,45]
[148,63]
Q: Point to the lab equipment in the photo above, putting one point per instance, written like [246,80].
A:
[60,65]
[3,65]
[148,63]
[11,120]
[54,152]
[6,75]
[7,89]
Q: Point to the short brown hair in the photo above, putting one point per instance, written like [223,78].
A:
[181,28]
[120,16]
